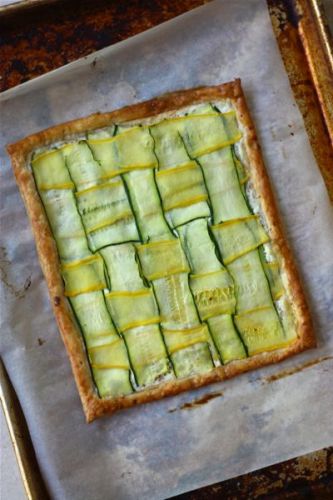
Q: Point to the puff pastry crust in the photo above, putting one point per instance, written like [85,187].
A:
[20,154]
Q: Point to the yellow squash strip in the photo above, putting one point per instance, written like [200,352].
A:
[45,187]
[187,202]
[124,135]
[98,187]
[112,220]
[129,293]
[184,167]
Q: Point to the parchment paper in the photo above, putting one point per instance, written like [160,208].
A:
[328,6]
[150,452]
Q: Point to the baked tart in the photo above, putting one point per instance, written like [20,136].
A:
[162,248]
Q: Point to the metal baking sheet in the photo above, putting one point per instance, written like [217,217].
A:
[261,418]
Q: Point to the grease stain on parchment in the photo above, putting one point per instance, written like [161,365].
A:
[197,402]
[18,292]
[295,369]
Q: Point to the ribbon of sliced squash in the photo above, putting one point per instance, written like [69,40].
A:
[201,133]
[101,203]
[106,214]
[132,309]
[213,293]
[84,170]
[180,339]
[50,171]
[162,258]
[239,236]
[129,150]
[135,312]
[92,314]
[111,369]
[226,338]
[146,204]
[272,271]
[189,350]
[206,133]
[251,285]
[148,354]
[175,301]
[82,276]
[112,355]
[223,185]
[122,267]
[65,223]
[211,285]
[261,330]
[181,186]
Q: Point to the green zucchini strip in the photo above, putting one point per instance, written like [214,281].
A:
[183,193]
[261,330]
[179,179]
[132,149]
[282,303]
[239,236]
[202,133]
[135,313]
[56,191]
[223,185]
[111,368]
[50,171]
[162,258]
[212,288]
[83,169]
[240,232]
[106,352]
[272,271]
[107,215]
[66,224]
[131,309]
[188,349]
[83,276]
[146,205]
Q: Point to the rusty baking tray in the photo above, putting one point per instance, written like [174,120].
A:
[306,47]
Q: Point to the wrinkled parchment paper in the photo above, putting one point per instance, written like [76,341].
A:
[150,452]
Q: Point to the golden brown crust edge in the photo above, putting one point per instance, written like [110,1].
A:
[48,256]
